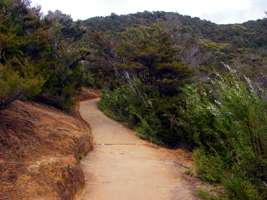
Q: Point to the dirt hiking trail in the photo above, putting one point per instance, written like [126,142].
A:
[124,167]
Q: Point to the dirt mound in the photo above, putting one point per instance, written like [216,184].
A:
[86,94]
[40,149]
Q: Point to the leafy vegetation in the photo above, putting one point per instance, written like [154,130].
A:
[34,59]
[19,39]
[224,121]
[218,118]
[150,86]
[228,121]
[197,43]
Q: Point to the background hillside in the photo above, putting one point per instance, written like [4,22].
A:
[200,44]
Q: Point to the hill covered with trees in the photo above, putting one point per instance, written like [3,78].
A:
[199,44]
[165,74]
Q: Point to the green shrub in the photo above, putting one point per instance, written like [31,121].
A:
[61,87]
[207,196]
[143,108]
[211,45]
[208,172]
[14,85]
[229,125]
[116,103]
[37,59]
[238,188]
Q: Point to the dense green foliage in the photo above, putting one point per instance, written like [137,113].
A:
[224,121]
[36,58]
[221,117]
[198,43]
[153,117]
[229,124]
[22,46]
[150,86]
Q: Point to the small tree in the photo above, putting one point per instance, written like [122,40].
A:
[20,46]
[148,52]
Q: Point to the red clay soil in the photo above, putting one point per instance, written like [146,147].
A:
[87,94]
[40,149]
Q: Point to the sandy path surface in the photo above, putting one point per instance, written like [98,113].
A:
[124,167]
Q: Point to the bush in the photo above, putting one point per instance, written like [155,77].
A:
[142,108]
[208,172]
[238,188]
[116,103]
[62,86]
[14,85]
[229,125]
[36,56]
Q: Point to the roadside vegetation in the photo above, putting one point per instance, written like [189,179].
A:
[36,60]
[224,122]
[223,119]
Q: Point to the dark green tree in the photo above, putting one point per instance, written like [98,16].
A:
[148,52]
[22,46]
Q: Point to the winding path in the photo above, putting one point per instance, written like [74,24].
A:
[124,167]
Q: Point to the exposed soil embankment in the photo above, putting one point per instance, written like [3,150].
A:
[40,149]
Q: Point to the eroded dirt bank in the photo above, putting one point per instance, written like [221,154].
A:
[40,149]
[124,167]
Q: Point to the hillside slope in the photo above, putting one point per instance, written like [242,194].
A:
[200,44]
[40,150]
